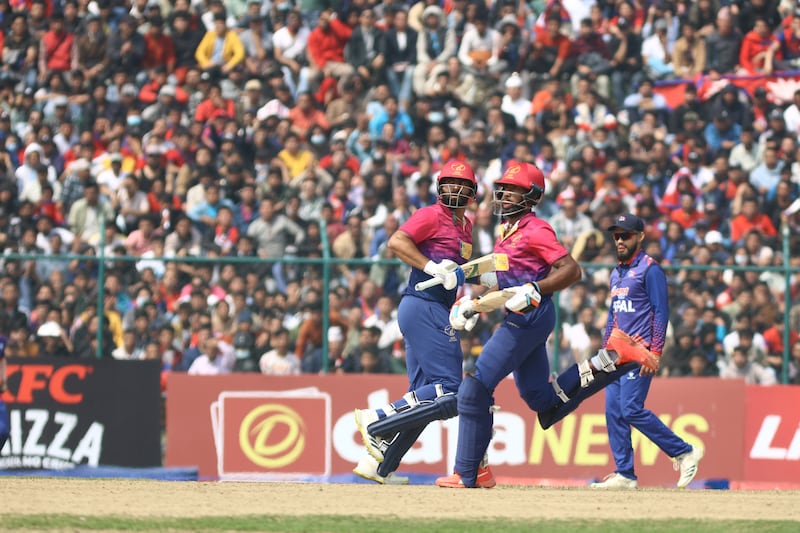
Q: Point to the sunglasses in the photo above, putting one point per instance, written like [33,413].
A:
[623,236]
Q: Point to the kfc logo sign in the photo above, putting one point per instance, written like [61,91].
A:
[62,383]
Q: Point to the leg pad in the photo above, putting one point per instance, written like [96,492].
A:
[554,414]
[441,408]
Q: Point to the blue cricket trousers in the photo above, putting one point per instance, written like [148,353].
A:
[433,348]
[625,408]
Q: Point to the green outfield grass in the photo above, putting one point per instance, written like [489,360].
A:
[360,524]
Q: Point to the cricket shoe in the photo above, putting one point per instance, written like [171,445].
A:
[485,480]
[367,468]
[376,446]
[687,464]
[615,481]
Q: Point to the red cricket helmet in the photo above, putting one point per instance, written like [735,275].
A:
[528,178]
[462,174]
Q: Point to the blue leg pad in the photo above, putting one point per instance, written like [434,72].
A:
[550,416]
[397,449]
[475,420]
[441,408]
[5,424]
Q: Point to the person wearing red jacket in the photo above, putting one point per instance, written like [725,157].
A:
[56,49]
[750,219]
[159,48]
[759,49]
[326,45]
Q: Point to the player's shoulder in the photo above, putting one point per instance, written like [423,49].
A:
[530,222]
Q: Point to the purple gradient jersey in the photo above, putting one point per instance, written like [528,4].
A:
[639,304]
[438,236]
[531,246]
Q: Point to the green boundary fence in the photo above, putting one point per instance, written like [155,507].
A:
[327,263]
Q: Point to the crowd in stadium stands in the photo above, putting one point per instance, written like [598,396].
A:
[202,128]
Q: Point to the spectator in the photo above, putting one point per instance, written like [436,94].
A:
[741,367]
[759,49]
[400,45]
[365,50]
[750,219]
[215,358]
[220,50]
[326,45]
[126,47]
[304,116]
[279,361]
[436,43]
[289,46]
[57,48]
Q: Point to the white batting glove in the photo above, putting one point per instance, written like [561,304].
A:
[448,271]
[526,298]
[489,280]
[457,318]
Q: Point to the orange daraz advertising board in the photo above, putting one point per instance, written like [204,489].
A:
[259,427]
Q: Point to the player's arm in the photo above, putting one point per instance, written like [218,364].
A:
[406,250]
[563,272]
[656,287]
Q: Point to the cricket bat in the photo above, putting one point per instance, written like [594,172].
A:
[476,267]
[490,301]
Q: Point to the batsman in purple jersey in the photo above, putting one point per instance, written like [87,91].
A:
[434,242]
[538,266]
[639,307]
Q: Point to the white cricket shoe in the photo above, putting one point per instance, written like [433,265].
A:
[687,464]
[367,468]
[615,481]
[376,446]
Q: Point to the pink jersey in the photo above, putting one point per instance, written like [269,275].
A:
[438,236]
[531,246]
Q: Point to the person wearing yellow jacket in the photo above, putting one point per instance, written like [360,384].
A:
[220,48]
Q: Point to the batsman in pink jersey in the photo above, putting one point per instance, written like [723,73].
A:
[434,242]
[538,266]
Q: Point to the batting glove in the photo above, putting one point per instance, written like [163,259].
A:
[451,274]
[489,280]
[457,312]
[526,298]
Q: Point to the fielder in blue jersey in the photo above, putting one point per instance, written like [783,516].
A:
[538,266]
[639,307]
[435,240]
[5,425]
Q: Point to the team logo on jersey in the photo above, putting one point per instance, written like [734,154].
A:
[623,306]
[619,291]
[450,332]
[466,250]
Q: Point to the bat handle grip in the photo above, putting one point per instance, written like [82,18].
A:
[428,283]
[471,313]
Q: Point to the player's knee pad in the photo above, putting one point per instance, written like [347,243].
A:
[441,408]
[473,397]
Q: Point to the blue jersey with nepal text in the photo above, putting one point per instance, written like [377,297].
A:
[639,304]
[532,247]
[438,236]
